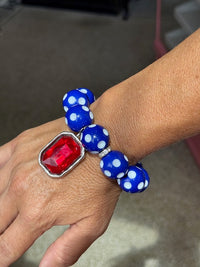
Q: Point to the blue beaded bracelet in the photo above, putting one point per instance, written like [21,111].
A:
[66,150]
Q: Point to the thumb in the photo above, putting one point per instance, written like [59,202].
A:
[67,249]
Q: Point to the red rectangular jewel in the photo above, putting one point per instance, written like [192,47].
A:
[61,154]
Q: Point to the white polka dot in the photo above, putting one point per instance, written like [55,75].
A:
[72,100]
[118,181]
[140,186]
[127,185]
[116,163]
[64,96]
[91,115]
[73,117]
[132,174]
[105,132]
[101,144]
[125,157]
[92,126]
[85,108]
[101,163]
[146,183]
[66,121]
[120,175]
[81,101]
[88,138]
[65,108]
[107,173]
[84,91]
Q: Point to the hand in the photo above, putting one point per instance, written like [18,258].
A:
[31,202]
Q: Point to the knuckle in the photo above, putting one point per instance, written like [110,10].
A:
[34,221]
[32,217]
[23,135]
[20,140]
[37,214]
[38,218]
[18,184]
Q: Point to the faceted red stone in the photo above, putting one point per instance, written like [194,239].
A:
[60,154]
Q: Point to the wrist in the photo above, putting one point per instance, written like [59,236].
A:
[120,112]
[135,112]
[67,149]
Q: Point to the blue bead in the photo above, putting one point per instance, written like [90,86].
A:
[78,117]
[147,179]
[139,164]
[146,175]
[73,98]
[134,181]
[94,138]
[114,164]
[89,94]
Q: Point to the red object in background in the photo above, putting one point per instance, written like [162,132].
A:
[160,49]
[194,146]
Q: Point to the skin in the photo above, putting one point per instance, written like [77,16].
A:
[152,109]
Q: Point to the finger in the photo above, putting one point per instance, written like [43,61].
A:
[4,177]
[67,249]
[17,238]
[8,211]
[6,152]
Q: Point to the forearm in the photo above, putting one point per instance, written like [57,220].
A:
[173,92]
[156,107]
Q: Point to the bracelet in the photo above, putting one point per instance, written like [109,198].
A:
[67,149]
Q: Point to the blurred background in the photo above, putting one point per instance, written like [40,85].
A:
[50,47]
